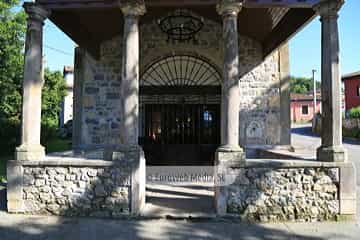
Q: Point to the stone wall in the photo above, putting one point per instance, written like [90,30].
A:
[351,123]
[260,100]
[259,83]
[269,190]
[101,103]
[350,126]
[294,194]
[75,191]
[79,186]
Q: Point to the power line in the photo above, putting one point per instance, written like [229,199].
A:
[58,50]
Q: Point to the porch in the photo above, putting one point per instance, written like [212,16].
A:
[239,78]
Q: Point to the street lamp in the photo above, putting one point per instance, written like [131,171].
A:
[313,78]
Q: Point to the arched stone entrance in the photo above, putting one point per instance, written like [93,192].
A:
[180,110]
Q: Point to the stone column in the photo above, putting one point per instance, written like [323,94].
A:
[130,74]
[331,135]
[78,102]
[230,88]
[285,102]
[130,151]
[229,153]
[30,148]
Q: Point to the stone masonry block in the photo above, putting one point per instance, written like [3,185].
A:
[348,189]
[14,187]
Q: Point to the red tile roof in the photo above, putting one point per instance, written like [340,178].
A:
[351,75]
[304,97]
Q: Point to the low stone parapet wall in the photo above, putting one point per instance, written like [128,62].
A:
[350,126]
[351,123]
[284,190]
[73,187]
[265,194]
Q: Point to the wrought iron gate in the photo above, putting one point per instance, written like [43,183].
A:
[175,128]
[181,134]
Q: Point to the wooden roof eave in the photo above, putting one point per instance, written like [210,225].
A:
[282,33]
[291,23]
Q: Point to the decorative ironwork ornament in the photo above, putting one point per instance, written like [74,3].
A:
[181,25]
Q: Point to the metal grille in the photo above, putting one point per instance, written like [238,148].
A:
[181,70]
[182,123]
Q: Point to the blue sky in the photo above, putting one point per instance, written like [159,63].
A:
[305,51]
[305,47]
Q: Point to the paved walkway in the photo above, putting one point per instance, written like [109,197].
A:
[16,227]
[179,201]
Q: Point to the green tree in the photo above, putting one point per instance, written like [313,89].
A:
[53,92]
[302,85]
[12,36]
[12,32]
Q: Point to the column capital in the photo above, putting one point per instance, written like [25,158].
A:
[328,8]
[35,12]
[133,8]
[229,7]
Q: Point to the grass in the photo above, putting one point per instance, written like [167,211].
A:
[58,145]
[54,145]
[3,160]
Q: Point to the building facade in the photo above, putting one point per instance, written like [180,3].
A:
[181,83]
[352,90]
[302,107]
[66,112]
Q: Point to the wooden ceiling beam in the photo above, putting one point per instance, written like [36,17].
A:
[297,19]
[280,3]
[82,36]
[83,4]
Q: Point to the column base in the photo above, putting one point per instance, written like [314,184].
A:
[284,147]
[229,157]
[347,193]
[132,156]
[225,157]
[230,148]
[121,152]
[14,192]
[30,152]
[331,154]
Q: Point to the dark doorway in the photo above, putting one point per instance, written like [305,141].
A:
[181,134]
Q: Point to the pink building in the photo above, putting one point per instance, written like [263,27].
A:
[302,107]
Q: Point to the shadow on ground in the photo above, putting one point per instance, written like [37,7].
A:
[304,130]
[53,228]
[179,201]
[307,131]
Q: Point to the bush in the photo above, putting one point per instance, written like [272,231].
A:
[10,134]
[47,133]
[351,133]
[9,137]
[354,112]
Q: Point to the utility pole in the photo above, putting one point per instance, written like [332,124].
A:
[314,81]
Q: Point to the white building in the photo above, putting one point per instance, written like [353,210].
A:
[66,112]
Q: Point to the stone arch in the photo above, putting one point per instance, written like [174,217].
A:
[181,69]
